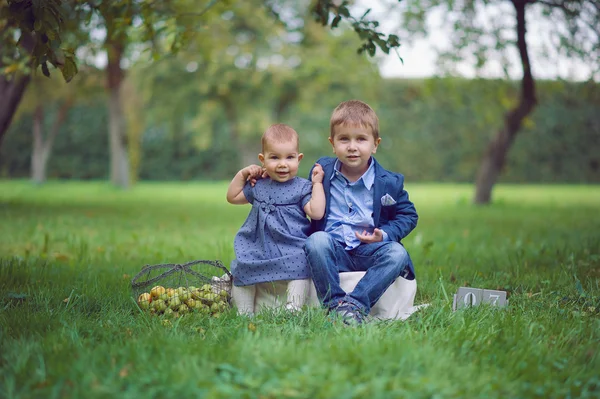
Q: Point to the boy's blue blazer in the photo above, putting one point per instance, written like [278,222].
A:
[397,220]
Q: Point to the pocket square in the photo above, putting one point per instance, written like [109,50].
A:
[387,200]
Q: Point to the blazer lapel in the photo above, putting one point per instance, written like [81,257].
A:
[378,192]
[328,172]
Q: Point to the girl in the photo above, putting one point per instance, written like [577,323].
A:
[269,245]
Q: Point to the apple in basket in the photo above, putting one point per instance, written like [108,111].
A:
[183,294]
[191,302]
[144,300]
[174,303]
[211,296]
[183,309]
[157,291]
[196,293]
[206,288]
[159,305]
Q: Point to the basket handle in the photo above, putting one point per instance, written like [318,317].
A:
[174,267]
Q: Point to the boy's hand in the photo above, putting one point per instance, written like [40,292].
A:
[368,238]
[317,174]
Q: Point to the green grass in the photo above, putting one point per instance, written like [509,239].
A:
[84,242]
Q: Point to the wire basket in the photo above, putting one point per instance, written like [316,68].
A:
[200,286]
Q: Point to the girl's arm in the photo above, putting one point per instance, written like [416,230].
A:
[315,208]
[235,191]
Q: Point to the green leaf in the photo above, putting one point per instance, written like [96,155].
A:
[37,25]
[45,70]
[371,48]
[69,69]
[343,11]
[336,21]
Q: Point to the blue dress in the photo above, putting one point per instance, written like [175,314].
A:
[270,244]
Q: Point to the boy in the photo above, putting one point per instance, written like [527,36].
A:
[367,214]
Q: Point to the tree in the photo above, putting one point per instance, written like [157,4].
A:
[30,36]
[43,142]
[53,97]
[477,40]
[250,75]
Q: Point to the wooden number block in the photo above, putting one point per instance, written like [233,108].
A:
[467,296]
[494,298]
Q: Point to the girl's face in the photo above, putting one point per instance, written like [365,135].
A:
[281,160]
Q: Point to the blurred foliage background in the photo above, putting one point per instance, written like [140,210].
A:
[186,89]
[432,130]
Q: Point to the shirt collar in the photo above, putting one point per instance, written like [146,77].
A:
[368,178]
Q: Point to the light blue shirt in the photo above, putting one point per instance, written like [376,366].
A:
[351,208]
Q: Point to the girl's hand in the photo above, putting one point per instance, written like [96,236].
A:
[251,172]
[317,174]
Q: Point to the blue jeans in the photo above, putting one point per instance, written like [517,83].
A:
[383,263]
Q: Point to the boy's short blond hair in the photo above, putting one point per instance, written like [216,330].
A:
[354,113]
[279,133]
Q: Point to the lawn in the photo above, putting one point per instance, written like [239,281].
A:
[69,327]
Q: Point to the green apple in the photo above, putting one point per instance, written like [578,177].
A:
[207,288]
[159,305]
[191,303]
[156,291]
[174,303]
[144,301]
[183,309]
[211,297]
[196,293]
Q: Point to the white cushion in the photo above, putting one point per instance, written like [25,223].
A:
[397,302]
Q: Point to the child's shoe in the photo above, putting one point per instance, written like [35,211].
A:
[350,314]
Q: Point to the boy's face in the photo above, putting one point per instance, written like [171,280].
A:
[353,146]
[281,160]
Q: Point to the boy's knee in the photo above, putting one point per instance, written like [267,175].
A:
[398,254]
[317,241]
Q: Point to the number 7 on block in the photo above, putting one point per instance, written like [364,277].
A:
[494,298]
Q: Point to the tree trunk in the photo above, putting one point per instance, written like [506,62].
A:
[42,148]
[288,96]
[494,157]
[11,93]
[247,152]
[12,86]
[38,163]
[119,161]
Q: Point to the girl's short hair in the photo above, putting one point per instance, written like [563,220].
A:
[354,113]
[279,133]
